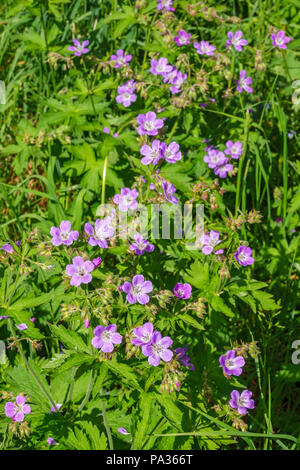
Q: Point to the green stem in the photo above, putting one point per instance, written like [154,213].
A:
[110,441]
[104,180]
[239,180]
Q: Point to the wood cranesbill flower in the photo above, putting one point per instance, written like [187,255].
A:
[120,59]
[141,246]
[280,40]
[63,235]
[160,66]
[171,152]
[18,410]
[137,290]
[183,291]
[214,158]
[148,124]
[126,199]
[180,354]
[99,234]
[143,335]
[158,349]
[244,256]
[222,170]
[106,337]
[209,241]
[151,154]
[242,401]
[244,83]
[165,5]
[236,40]
[182,38]
[169,190]
[231,363]
[204,48]
[80,271]
[234,149]
[79,48]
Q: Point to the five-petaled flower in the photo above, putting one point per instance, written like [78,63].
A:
[183,38]
[236,40]
[148,124]
[63,235]
[158,349]
[244,255]
[126,199]
[244,82]
[242,401]
[17,410]
[120,59]
[106,337]
[80,271]
[137,290]
[78,48]
[204,48]
[141,245]
[231,363]
[280,40]
[183,291]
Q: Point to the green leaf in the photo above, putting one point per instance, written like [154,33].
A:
[69,338]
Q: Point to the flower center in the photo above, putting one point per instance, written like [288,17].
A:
[242,257]
[136,291]
[229,363]
[64,235]
[146,337]
[81,271]
[158,349]
[106,336]
[149,125]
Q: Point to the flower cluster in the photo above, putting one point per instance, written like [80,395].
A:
[170,74]
[217,160]
[152,344]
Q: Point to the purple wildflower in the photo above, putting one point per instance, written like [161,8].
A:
[280,40]
[63,235]
[204,48]
[17,410]
[86,323]
[58,406]
[183,38]
[181,355]
[141,246]
[98,235]
[160,66]
[97,261]
[7,248]
[177,82]
[106,130]
[149,124]
[169,77]
[120,60]
[222,170]
[278,221]
[244,255]
[151,154]
[79,271]
[105,338]
[232,364]
[171,152]
[123,431]
[125,96]
[78,48]
[236,40]
[183,291]
[169,191]
[51,441]
[3,317]
[234,149]
[165,5]
[137,290]
[214,158]
[242,401]
[22,326]
[126,199]
[244,83]
[209,241]
[158,349]
[143,335]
